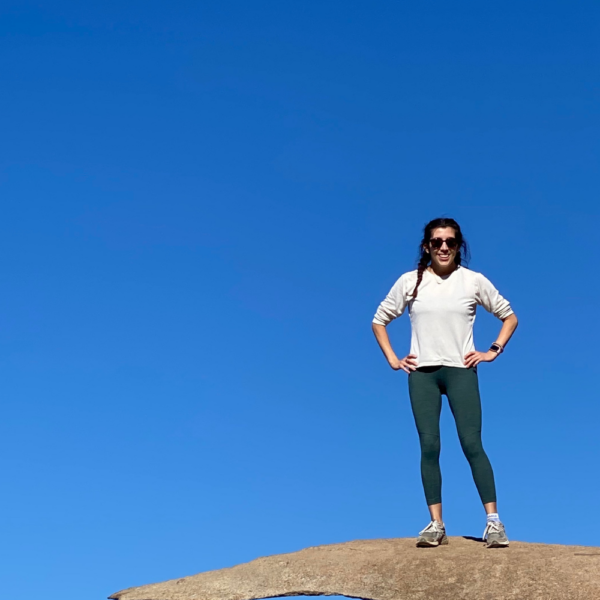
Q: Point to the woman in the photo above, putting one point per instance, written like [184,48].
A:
[442,296]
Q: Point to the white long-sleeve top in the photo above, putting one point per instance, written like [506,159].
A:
[443,313]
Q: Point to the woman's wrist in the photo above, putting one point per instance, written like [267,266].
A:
[497,348]
[491,355]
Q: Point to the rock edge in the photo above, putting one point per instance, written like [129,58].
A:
[394,569]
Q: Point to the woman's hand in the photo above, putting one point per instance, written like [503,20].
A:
[408,363]
[473,358]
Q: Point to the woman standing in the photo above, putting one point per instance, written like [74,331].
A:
[442,296]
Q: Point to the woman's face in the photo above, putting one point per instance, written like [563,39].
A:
[442,255]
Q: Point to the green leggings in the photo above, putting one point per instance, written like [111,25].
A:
[426,386]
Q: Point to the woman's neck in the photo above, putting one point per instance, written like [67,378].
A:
[442,271]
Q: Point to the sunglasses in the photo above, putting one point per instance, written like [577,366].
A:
[437,243]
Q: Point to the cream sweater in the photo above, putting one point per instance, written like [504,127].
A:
[443,313]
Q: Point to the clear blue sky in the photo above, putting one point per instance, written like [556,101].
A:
[203,204]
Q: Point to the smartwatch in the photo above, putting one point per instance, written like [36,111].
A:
[497,348]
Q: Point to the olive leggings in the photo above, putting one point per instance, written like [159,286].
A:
[426,386]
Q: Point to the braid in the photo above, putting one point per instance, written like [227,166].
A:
[423,262]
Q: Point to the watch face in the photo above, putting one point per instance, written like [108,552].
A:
[495,348]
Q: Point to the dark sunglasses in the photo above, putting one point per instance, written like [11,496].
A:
[437,243]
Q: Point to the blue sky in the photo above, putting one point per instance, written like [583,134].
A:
[203,205]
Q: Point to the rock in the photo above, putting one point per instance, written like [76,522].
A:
[394,569]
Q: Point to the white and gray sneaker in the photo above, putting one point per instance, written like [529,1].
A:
[433,535]
[494,535]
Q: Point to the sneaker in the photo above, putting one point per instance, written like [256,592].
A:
[433,535]
[494,535]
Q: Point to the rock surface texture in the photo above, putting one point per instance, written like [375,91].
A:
[394,569]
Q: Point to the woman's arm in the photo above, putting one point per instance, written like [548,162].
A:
[508,328]
[407,364]
[509,324]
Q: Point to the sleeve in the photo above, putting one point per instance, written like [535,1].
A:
[489,297]
[393,305]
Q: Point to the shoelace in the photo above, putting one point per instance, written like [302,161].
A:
[491,527]
[433,526]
